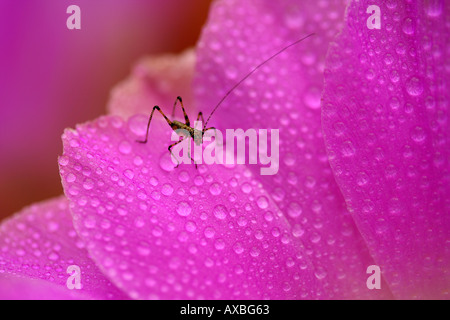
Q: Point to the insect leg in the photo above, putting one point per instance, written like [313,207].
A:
[150,119]
[189,155]
[215,133]
[170,149]
[186,118]
[200,115]
[189,151]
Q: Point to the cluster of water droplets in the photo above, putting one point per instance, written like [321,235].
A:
[382,123]
[138,212]
[41,243]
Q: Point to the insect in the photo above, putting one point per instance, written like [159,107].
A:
[184,130]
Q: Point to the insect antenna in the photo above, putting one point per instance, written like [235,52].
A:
[251,72]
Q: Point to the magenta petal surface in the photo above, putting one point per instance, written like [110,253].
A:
[385,118]
[161,232]
[37,245]
[19,288]
[285,94]
[155,80]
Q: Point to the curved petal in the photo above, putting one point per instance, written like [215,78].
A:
[37,246]
[385,119]
[154,81]
[285,94]
[18,288]
[184,233]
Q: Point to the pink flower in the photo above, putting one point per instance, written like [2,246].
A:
[365,186]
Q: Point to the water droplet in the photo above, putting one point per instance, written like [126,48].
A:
[231,72]
[138,161]
[287,287]
[88,184]
[141,194]
[297,230]
[74,143]
[138,125]
[157,231]
[166,163]
[294,210]
[190,226]
[362,179]
[53,256]
[89,222]
[320,273]
[275,232]
[347,149]
[215,189]
[394,76]
[312,97]
[414,86]
[220,212]
[388,59]
[391,4]
[294,19]
[246,187]
[167,189]
[53,226]
[63,160]
[290,262]
[434,8]
[262,202]
[219,244]
[408,26]
[183,176]
[184,209]
[209,232]
[418,134]
[143,249]
[71,177]
[125,147]
[394,206]
[254,252]
[129,174]
[394,103]
[238,248]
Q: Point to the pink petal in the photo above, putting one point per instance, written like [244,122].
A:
[285,94]
[385,119]
[155,80]
[37,245]
[160,232]
[18,288]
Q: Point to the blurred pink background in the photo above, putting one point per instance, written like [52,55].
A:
[52,78]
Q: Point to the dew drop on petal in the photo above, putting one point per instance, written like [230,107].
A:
[408,26]
[418,134]
[125,147]
[294,210]
[166,163]
[63,160]
[167,189]
[414,86]
[262,202]
[138,125]
[215,189]
[184,209]
[129,174]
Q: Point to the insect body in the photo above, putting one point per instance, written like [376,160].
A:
[180,128]
[184,129]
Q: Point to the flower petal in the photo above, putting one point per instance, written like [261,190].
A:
[385,119]
[161,232]
[37,245]
[154,81]
[18,288]
[285,94]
